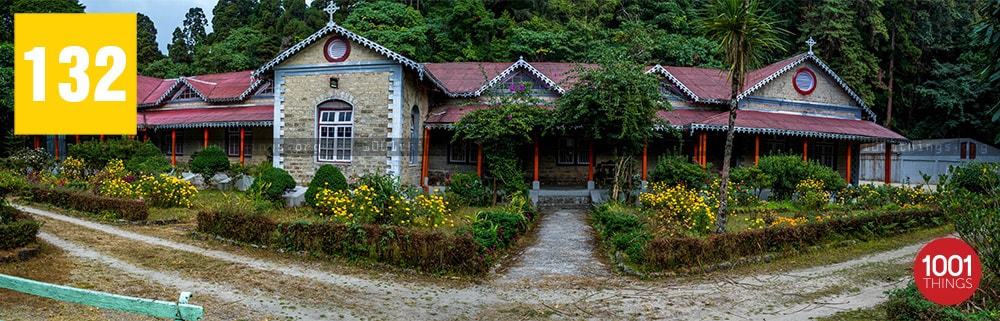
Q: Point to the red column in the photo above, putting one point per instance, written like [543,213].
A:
[173,147]
[102,138]
[805,150]
[849,144]
[536,159]
[645,150]
[37,143]
[426,160]
[756,149]
[704,148]
[888,163]
[242,142]
[77,139]
[206,137]
[57,146]
[479,161]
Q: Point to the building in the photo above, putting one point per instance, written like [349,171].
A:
[929,156]
[339,98]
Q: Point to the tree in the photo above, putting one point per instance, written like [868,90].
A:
[194,27]
[229,15]
[744,32]
[616,105]
[178,49]
[986,37]
[147,49]
[393,25]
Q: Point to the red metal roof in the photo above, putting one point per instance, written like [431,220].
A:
[150,89]
[683,117]
[206,117]
[230,85]
[449,114]
[462,77]
[751,121]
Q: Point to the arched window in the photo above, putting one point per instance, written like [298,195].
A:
[414,135]
[335,120]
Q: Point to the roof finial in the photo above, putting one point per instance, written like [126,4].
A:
[331,7]
[810,42]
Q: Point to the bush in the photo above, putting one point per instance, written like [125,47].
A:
[327,177]
[467,189]
[678,207]
[166,191]
[811,195]
[138,156]
[209,161]
[976,177]
[909,304]
[18,229]
[11,183]
[673,170]
[34,159]
[622,231]
[132,210]
[273,182]
[789,170]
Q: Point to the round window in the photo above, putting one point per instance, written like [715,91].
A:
[805,81]
[337,49]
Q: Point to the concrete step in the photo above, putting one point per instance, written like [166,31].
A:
[564,200]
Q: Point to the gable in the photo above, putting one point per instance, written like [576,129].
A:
[313,54]
[825,98]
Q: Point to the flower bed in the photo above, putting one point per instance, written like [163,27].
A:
[624,231]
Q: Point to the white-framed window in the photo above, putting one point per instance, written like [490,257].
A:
[414,135]
[463,152]
[185,93]
[233,142]
[523,80]
[335,131]
[573,151]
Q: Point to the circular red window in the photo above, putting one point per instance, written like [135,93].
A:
[337,49]
[804,81]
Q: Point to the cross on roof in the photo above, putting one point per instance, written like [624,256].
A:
[331,7]
[810,42]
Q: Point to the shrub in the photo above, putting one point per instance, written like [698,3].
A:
[811,195]
[382,190]
[327,177]
[909,304]
[674,169]
[11,183]
[678,207]
[166,191]
[752,178]
[209,161]
[466,189]
[132,210]
[35,160]
[976,177]
[789,170]
[18,229]
[147,159]
[272,183]
[877,196]
[622,230]
[138,156]
[74,168]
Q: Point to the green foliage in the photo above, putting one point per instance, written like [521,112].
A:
[622,230]
[752,178]
[25,160]
[18,229]
[466,189]
[209,161]
[811,194]
[676,169]
[328,177]
[909,304]
[789,170]
[272,183]
[391,24]
[976,177]
[11,183]
[138,156]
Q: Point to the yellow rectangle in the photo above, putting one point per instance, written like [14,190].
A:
[75,74]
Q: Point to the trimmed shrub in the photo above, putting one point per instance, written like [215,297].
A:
[138,156]
[789,170]
[328,177]
[673,170]
[148,159]
[976,177]
[209,161]
[132,210]
[166,191]
[18,229]
[466,189]
[273,182]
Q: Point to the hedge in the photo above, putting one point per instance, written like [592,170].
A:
[18,229]
[424,250]
[132,210]
[687,253]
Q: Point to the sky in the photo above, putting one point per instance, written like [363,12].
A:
[166,14]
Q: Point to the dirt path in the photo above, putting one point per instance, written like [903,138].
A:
[564,247]
[302,291]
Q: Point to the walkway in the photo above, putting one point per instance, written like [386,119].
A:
[564,248]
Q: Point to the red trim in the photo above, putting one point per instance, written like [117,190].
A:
[326,53]
[796,84]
